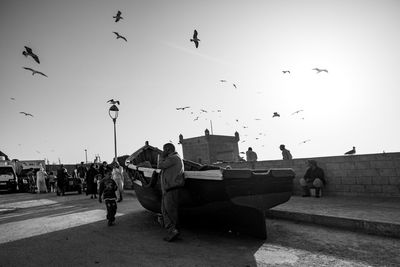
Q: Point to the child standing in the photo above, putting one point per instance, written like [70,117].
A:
[107,192]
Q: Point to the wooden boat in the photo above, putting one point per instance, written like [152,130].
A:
[235,199]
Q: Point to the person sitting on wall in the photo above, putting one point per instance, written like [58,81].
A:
[251,155]
[313,178]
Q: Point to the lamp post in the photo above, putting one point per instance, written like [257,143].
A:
[86,155]
[113,112]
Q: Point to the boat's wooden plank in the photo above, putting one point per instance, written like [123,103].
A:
[205,175]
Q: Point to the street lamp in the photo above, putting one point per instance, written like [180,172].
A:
[113,112]
[86,155]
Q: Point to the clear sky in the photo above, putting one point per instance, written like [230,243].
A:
[248,43]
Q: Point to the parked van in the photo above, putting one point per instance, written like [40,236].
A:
[8,177]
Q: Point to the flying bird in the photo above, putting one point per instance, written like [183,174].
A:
[297,112]
[120,36]
[182,108]
[195,39]
[35,71]
[320,70]
[234,85]
[113,102]
[351,152]
[286,71]
[276,114]
[26,114]
[203,110]
[305,141]
[196,118]
[223,81]
[118,16]
[12,98]
[28,52]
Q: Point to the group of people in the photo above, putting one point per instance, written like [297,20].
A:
[251,156]
[314,178]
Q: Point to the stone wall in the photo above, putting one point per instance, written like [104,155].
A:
[355,175]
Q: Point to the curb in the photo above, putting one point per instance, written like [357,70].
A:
[369,227]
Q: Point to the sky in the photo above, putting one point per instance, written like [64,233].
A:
[158,69]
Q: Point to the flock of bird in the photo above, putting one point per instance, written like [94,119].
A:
[196,41]
[118,18]
[29,53]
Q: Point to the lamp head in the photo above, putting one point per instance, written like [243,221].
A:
[113,112]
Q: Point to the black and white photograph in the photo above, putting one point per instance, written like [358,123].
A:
[199,133]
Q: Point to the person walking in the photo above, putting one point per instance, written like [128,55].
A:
[313,178]
[172,178]
[119,180]
[52,181]
[41,180]
[285,153]
[107,193]
[82,171]
[62,179]
[91,183]
[102,168]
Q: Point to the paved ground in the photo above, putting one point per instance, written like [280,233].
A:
[371,215]
[71,231]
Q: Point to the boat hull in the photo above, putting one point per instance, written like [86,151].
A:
[235,200]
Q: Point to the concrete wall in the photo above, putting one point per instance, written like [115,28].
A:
[356,175]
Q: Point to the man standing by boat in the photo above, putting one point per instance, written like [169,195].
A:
[172,178]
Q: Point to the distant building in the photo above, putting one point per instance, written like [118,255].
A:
[209,149]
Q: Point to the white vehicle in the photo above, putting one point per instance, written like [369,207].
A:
[8,177]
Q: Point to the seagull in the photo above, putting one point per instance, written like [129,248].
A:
[195,39]
[319,70]
[26,114]
[118,16]
[351,152]
[113,102]
[276,114]
[297,112]
[305,141]
[203,110]
[35,71]
[12,98]
[257,119]
[120,36]
[182,108]
[223,81]
[234,85]
[196,118]
[286,71]
[245,127]
[29,52]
